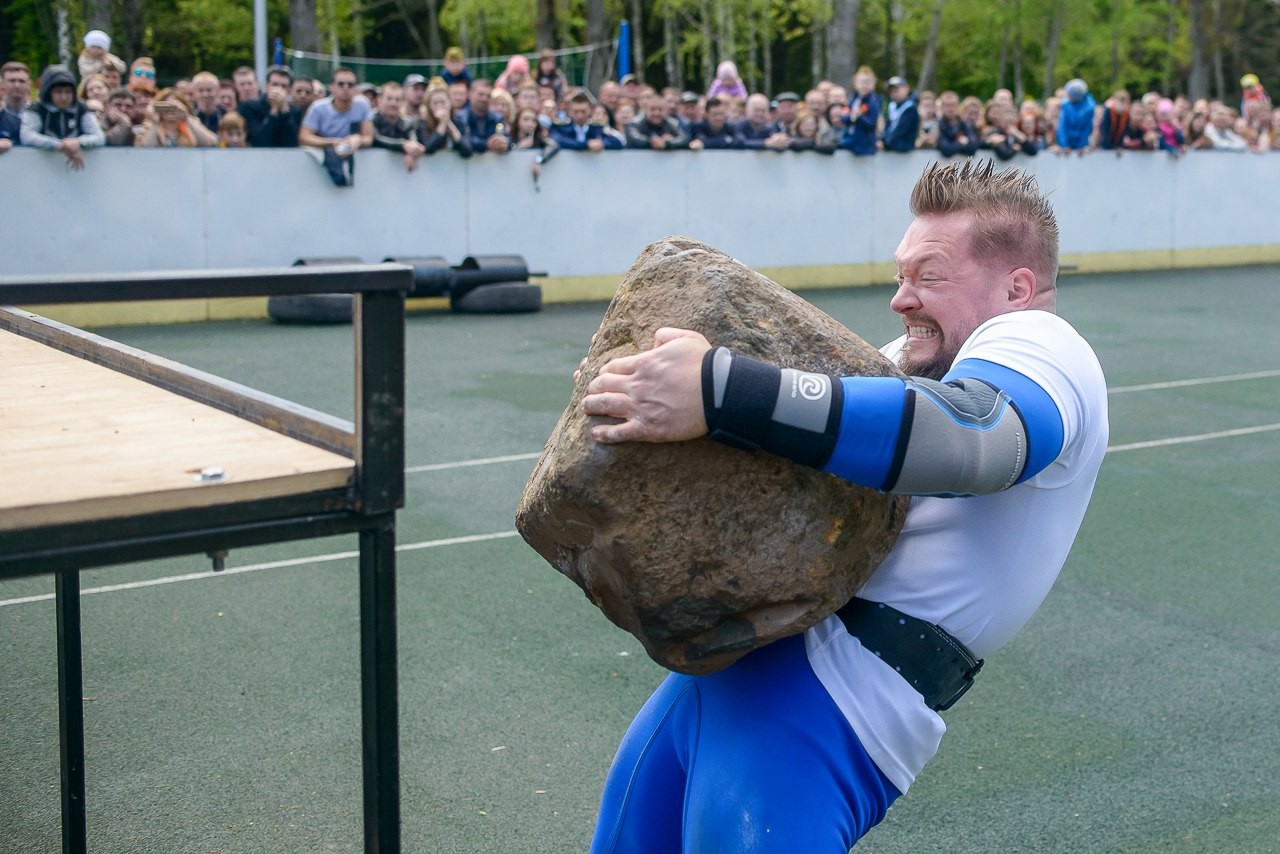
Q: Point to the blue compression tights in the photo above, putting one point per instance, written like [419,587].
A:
[755,758]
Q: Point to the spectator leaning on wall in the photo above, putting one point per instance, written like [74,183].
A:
[59,122]
[1075,118]
[902,119]
[16,79]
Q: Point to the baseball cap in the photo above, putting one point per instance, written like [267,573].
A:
[896,81]
[367,88]
[1249,81]
[415,80]
[688,97]
[629,78]
[787,96]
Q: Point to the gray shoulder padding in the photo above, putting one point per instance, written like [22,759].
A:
[963,438]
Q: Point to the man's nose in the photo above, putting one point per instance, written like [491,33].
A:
[904,300]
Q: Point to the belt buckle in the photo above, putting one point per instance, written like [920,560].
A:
[964,688]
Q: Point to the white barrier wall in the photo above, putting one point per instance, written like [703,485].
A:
[790,213]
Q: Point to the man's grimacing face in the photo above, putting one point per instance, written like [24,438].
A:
[944,293]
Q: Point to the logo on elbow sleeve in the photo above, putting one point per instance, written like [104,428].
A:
[811,386]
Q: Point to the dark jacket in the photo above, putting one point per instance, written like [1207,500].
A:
[477,128]
[436,140]
[860,127]
[392,133]
[43,124]
[723,138]
[902,126]
[567,137]
[10,126]
[746,136]
[948,145]
[211,120]
[639,132]
[1114,129]
[265,129]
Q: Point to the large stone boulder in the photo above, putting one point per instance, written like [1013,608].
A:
[702,551]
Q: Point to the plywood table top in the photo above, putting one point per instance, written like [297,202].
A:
[80,442]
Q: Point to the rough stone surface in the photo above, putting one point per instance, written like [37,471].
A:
[702,551]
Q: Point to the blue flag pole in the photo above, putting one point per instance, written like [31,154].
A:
[624,49]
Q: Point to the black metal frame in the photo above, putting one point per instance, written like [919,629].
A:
[375,442]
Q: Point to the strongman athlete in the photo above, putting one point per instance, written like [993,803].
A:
[997,433]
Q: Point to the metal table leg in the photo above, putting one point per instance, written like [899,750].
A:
[71,711]
[379,694]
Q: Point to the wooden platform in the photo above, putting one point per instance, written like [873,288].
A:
[80,442]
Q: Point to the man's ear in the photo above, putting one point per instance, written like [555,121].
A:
[1021,288]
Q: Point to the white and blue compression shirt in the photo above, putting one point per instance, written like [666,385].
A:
[1000,457]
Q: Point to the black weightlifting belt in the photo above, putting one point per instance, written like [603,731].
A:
[932,661]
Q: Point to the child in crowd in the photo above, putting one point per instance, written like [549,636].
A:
[455,67]
[548,73]
[1171,138]
[97,55]
[727,82]
[862,125]
[231,132]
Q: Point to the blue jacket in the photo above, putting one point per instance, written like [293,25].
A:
[479,128]
[723,138]
[567,137]
[1075,122]
[860,129]
[10,126]
[745,136]
[903,125]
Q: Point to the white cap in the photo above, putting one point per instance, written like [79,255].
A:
[97,38]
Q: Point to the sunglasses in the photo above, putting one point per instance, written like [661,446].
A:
[143,72]
[345,84]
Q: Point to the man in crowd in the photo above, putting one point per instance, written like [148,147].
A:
[302,93]
[691,111]
[60,122]
[340,125]
[271,121]
[123,119]
[654,129]
[610,96]
[395,130]
[415,93]
[785,115]
[15,77]
[998,430]
[714,131]
[755,131]
[1114,122]
[246,80]
[204,87]
[579,134]
[902,119]
[476,121]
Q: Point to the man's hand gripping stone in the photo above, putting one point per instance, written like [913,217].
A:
[657,393]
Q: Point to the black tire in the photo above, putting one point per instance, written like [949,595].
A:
[310,308]
[477,270]
[432,275]
[327,262]
[500,298]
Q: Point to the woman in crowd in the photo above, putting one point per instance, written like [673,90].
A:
[1194,133]
[837,117]
[171,124]
[806,134]
[1002,136]
[971,111]
[623,115]
[528,132]
[547,73]
[440,129]
[1033,126]
[93,88]
[1274,133]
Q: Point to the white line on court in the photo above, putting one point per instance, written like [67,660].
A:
[1202,437]
[476,538]
[484,461]
[1227,378]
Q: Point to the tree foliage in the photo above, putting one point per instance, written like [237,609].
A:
[777,44]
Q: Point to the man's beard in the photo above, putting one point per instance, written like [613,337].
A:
[930,368]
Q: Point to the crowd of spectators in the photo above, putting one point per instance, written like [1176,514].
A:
[533,106]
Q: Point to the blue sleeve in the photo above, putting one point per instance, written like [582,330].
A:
[870,424]
[1039,414]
